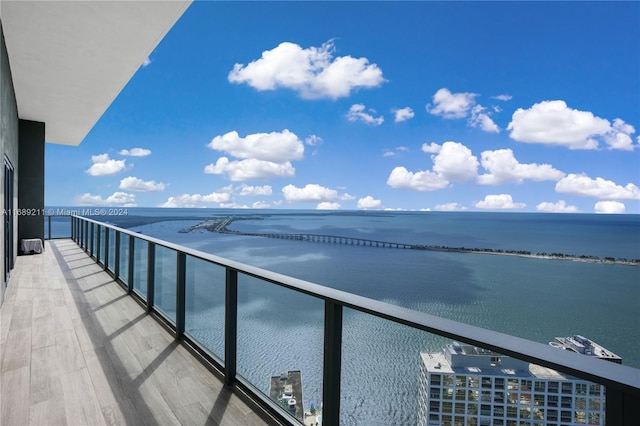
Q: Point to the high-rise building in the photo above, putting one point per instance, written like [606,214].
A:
[468,386]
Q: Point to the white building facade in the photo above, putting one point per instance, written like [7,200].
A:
[469,386]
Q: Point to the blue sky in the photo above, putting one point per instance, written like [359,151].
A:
[498,106]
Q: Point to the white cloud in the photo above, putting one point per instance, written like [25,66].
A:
[104,166]
[499,202]
[401,178]
[450,207]
[369,203]
[480,118]
[119,199]
[261,205]
[455,162]
[451,105]
[313,72]
[388,154]
[403,114]
[432,148]
[356,113]
[134,184]
[554,123]
[327,205]
[276,147]
[146,62]
[503,97]
[246,190]
[313,140]
[310,192]
[504,168]
[612,207]
[250,169]
[196,200]
[597,188]
[559,207]
[135,152]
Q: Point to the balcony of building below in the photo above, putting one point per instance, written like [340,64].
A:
[76,349]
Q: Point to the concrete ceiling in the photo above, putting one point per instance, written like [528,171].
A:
[70,59]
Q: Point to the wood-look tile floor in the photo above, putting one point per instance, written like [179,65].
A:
[76,350]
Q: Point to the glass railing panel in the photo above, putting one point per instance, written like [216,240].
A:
[141,248]
[205,298]
[280,343]
[381,369]
[112,250]
[94,237]
[165,281]
[100,250]
[60,227]
[124,258]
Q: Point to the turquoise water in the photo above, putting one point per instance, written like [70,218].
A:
[536,299]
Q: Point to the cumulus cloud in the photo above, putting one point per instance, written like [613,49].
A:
[313,140]
[455,162]
[246,190]
[403,114]
[451,105]
[401,178]
[275,147]
[432,148]
[357,113]
[499,202]
[196,200]
[250,169]
[480,118]
[135,152]
[503,97]
[261,205]
[580,184]
[450,207]
[134,184]
[369,203]
[104,166]
[504,168]
[554,123]
[327,205]
[312,72]
[117,199]
[610,207]
[559,207]
[146,62]
[310,192]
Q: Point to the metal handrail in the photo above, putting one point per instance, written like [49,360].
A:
[620,380]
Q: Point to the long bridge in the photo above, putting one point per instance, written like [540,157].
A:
[333,239]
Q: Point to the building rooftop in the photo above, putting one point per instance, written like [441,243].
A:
[584,346]
[77,350]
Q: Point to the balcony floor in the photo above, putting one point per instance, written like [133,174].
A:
[76,350]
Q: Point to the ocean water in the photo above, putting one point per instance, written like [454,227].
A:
[537,299]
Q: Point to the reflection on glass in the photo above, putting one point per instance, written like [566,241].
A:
[141,247]
[280,343]
[165,281]
[204,316]
[124,258]
[112,250]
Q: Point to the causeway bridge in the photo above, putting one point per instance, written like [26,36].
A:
[332,239]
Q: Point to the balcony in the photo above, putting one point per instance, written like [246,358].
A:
[136,355]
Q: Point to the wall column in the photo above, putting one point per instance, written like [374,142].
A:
[31,179]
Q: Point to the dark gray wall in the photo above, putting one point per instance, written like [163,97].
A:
[8,144]
[31,179]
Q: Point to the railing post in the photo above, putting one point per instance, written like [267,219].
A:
[332,363]
[49,226]
[91,236]
[230,326]
[116,261]
[181,273]
[106,248]
[132,261]
[151,276]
